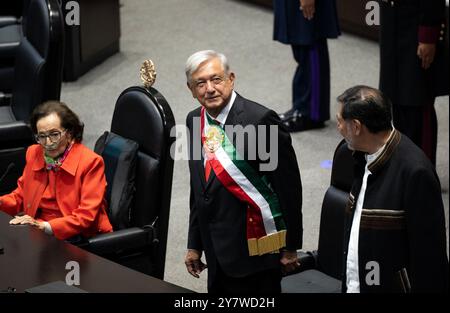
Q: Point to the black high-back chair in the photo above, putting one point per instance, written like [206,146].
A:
[37,78]
[321,270]
[12,25]
[144,116]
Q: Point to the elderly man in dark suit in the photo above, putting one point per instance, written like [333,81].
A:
[245,207]
[306,25]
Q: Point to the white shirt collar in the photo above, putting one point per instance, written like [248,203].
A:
[372,157]
[222,117]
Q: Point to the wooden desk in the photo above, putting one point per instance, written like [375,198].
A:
[32,258]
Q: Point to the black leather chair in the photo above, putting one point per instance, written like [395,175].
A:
[321,270]
[11,33]
[144,116]
[37,77]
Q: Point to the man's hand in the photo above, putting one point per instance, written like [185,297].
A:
[193,263]
[426,52]
[289,261]
[308,7]
[26,220]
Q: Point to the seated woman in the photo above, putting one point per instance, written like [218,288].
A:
[62,188]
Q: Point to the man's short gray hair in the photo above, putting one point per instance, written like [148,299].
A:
[194,61]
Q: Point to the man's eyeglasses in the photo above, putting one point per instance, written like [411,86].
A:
[54,136]
[215,81]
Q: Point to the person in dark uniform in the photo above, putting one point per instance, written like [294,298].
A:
[246,218]
[395,238]
[306,25]
[411,36]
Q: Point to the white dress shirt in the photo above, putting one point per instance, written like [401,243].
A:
[352,256]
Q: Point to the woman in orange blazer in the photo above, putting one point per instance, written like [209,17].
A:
[63,185]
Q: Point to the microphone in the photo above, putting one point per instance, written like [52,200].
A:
[8,169]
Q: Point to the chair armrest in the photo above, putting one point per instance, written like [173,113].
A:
[5,99]
[8,20]
[17,131]
[120,240]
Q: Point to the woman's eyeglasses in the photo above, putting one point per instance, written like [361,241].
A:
[54,136]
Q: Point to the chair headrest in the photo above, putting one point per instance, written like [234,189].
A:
[342,171]
[141,115]
[37,28]
[28,80]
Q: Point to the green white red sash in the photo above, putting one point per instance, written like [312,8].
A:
[266,230]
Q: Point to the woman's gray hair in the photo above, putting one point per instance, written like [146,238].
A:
[194,61]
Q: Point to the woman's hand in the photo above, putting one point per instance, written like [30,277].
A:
[26,220]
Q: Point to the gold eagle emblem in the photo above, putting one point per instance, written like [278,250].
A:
[213,139]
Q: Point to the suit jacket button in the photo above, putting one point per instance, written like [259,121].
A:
[28,205]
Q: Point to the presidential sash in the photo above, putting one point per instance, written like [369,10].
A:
[266,230]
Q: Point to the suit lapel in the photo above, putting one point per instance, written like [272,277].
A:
[234,116]
[199,168]
[198,163]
